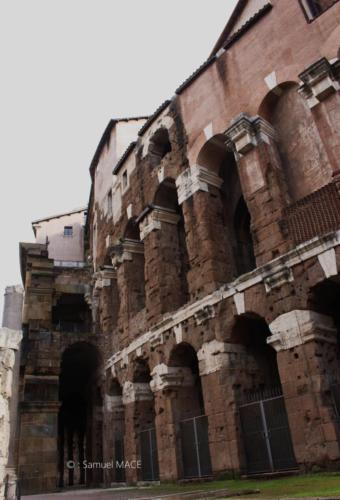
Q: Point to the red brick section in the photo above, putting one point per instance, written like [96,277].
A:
[314,215]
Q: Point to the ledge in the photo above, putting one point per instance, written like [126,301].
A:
[301,253]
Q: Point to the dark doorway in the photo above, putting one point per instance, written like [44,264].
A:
[265,433]
[79,396]
[190,415]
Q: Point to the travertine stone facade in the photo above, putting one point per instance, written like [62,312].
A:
[10,339]
[208,298]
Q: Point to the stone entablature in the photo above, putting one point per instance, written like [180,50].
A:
[133,392]
[196,178]
[319,81]
[299,327]
[155,218]
[170,377]
[313,248]
[247,132]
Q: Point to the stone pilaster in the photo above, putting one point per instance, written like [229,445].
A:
[209,251]
[113,437]
[106,291]
[305,344]
[138,404]
[218,364]
[128,261]
[252,139]
[166,383]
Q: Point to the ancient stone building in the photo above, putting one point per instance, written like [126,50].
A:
[197,329]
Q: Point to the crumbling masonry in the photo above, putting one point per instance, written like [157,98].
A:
[199,330]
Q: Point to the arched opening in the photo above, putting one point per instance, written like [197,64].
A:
[132,230]
[144,418]
[260,371]
[135,272]
[324,298]
[190,418]
[159,146]
[114,389]
[235,217]
[184,356]
[80,398]
[263,418]
[304,159]
[177,252]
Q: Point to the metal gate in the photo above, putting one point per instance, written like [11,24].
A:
[195,447]
[266,435]
[148,455]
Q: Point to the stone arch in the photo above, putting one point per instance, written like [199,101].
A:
[141,371]
[324,299]
[131,230]
[79,395]
[113,387]
[258,370]
[184,356]
[304,159]
[233,209]
[159,146]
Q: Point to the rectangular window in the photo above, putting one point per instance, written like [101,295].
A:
[314,8]
[68,231]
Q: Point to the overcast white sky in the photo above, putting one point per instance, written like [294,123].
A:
[67,67]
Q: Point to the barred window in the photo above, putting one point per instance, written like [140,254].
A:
[68,231]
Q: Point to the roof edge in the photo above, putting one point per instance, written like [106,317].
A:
[75,211]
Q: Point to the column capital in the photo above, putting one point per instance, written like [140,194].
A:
[103,277]
[133,392]
[320,80]
[196,178]
[113,403]
[170,377]
[155,217]
[299,327]
[215,355]
[246,132]
[124,249]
